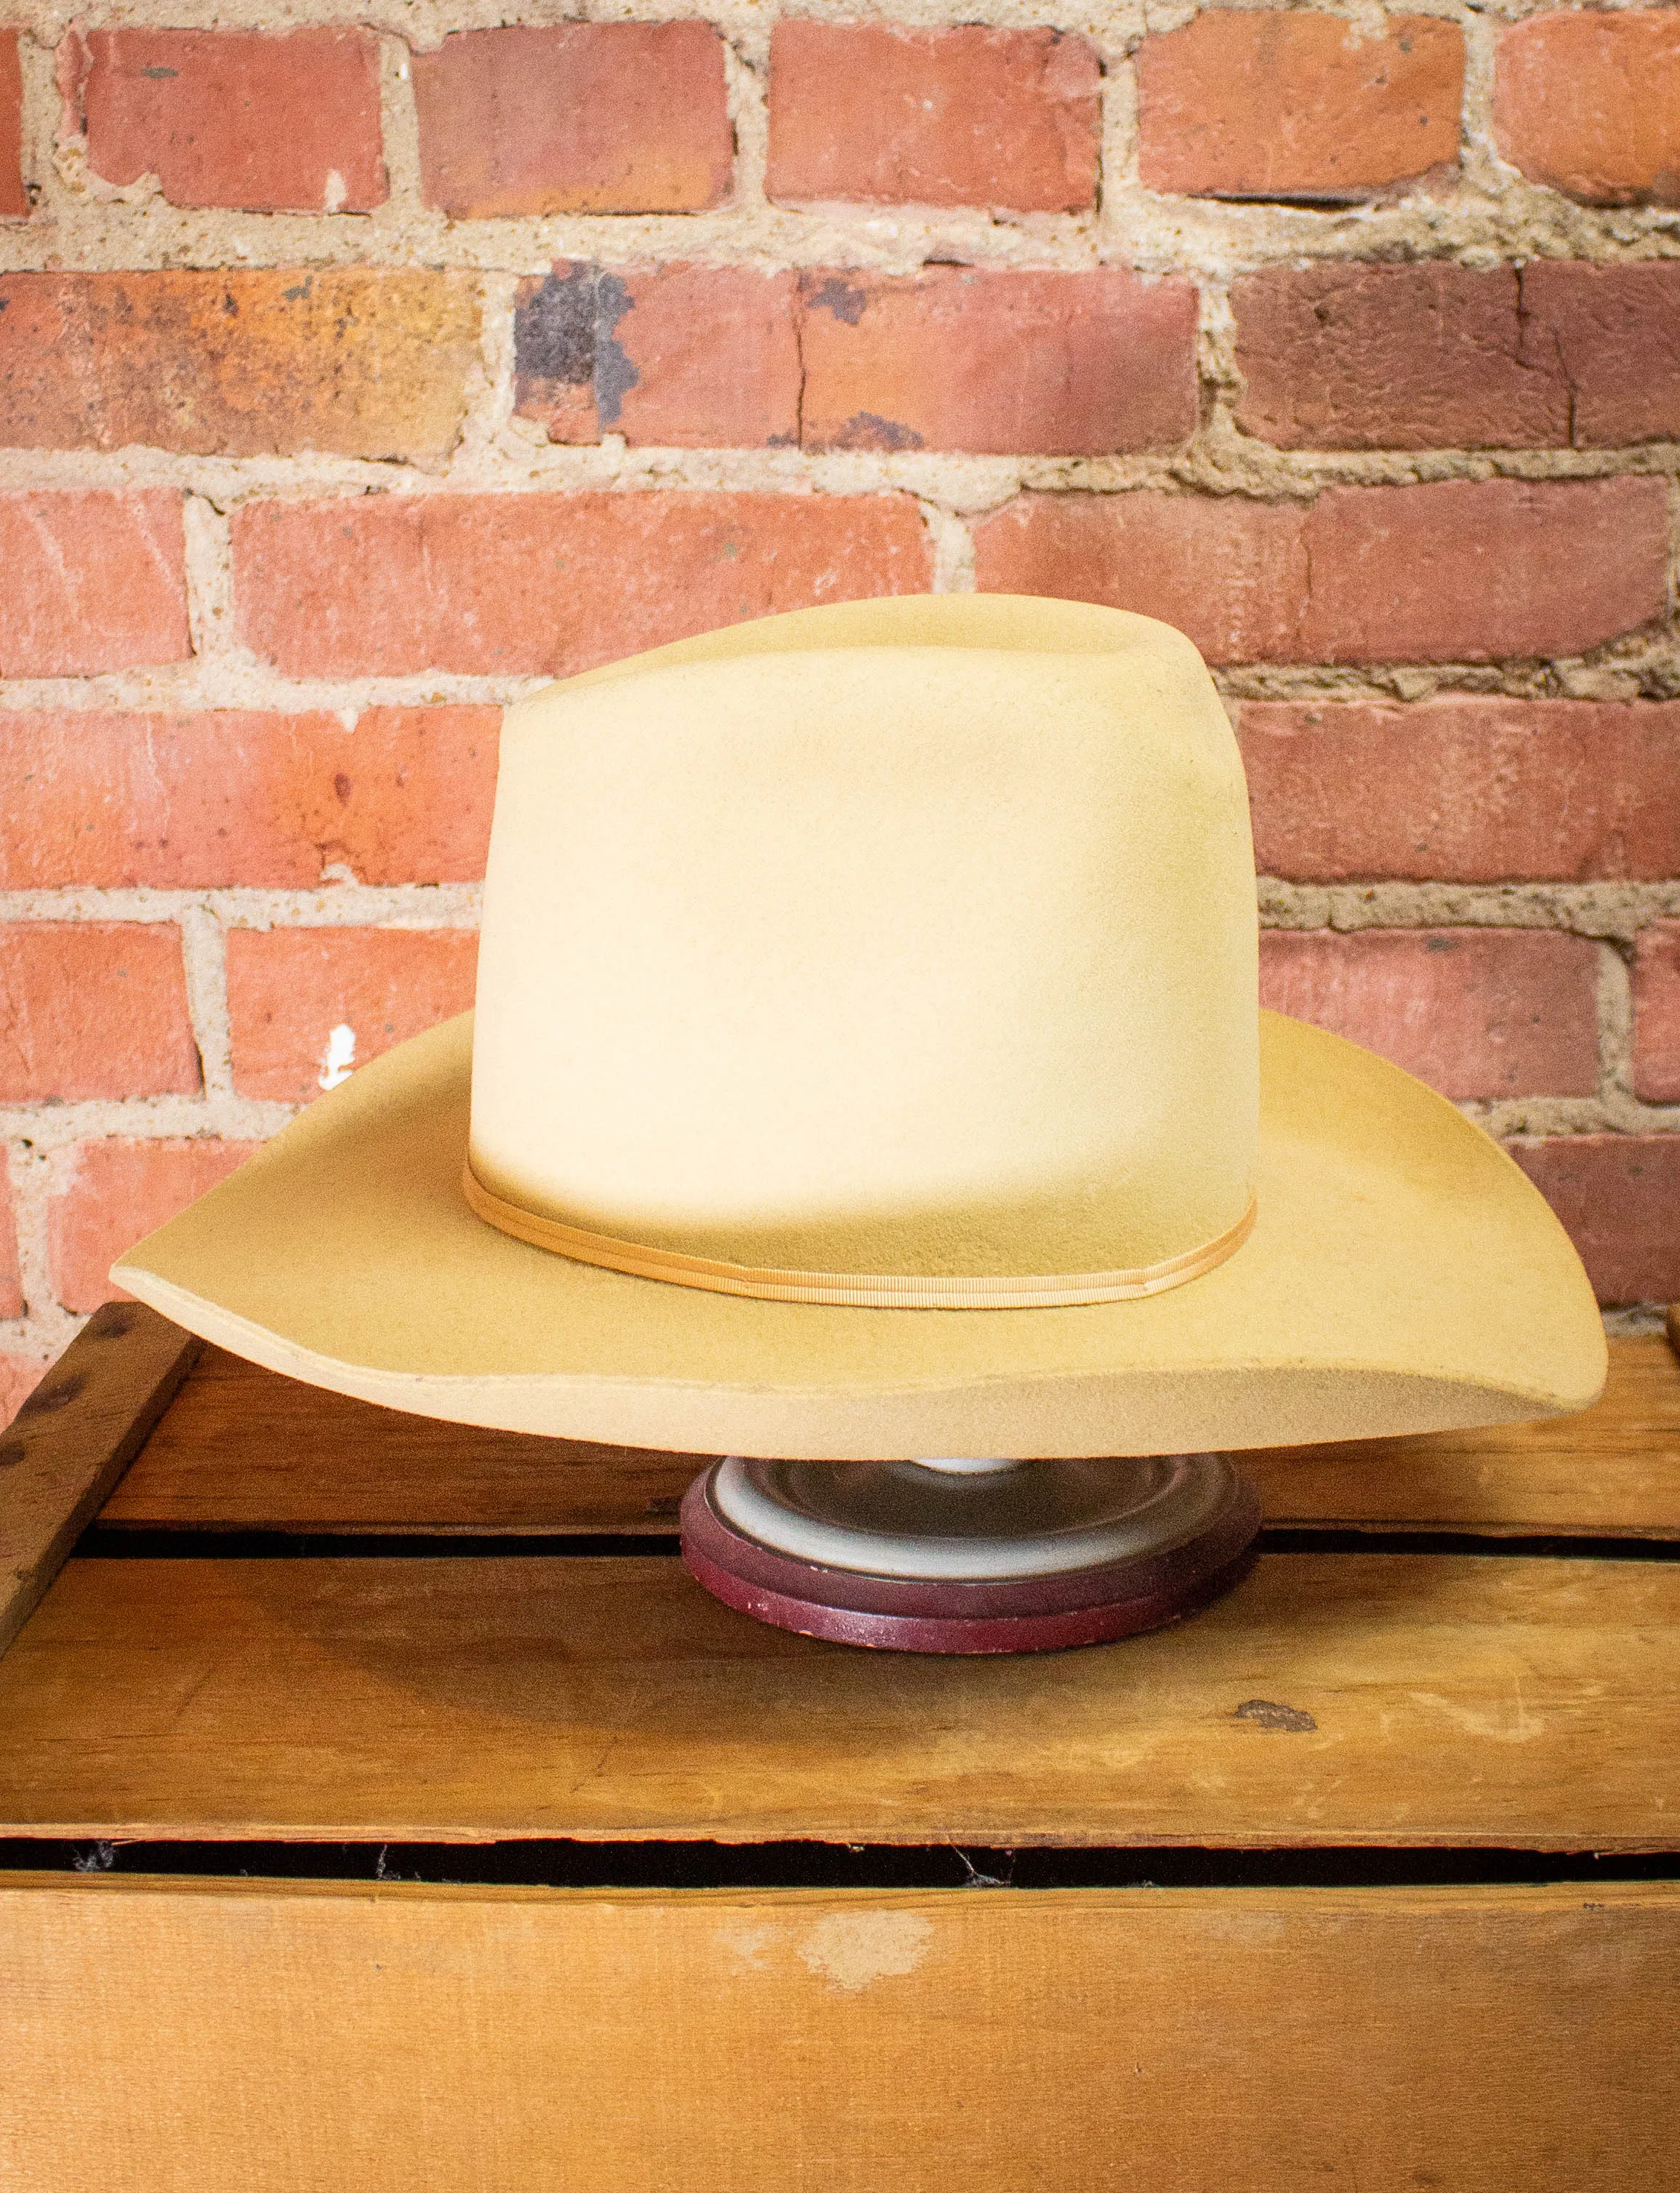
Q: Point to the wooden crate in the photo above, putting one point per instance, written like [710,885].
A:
[386,1810]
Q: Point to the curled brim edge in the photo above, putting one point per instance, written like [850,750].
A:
[1402,1275]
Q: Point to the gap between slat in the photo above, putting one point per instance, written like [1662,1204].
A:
[105,1541]
[560,1863]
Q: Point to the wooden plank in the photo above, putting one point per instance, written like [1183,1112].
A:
[70,1443]
[291,2039]
[1612,1471]
[244,1450]
[1428,1700]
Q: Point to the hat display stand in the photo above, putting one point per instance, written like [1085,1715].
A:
[955,1555]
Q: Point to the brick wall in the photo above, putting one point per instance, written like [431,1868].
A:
[352,382]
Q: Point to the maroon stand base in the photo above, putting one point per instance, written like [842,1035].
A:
[1028,1614]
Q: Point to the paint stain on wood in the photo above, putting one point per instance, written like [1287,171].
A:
[853,1950]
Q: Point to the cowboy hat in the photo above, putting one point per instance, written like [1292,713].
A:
[867,1063]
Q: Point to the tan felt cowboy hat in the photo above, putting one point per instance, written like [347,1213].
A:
[867,1064]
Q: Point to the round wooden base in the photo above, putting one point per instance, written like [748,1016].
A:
[928,1614]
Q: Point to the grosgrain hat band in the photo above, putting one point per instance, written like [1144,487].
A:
[858,1290]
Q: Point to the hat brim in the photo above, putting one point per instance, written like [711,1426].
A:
[1403,1276]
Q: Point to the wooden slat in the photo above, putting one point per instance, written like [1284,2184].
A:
[70,1443]
[285,2039]
[244,1450]
[1431,1700]
[1612,1471]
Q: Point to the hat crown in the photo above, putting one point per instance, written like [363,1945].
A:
[911,939]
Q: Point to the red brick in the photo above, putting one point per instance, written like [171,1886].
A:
[187,803]
[19,1375]
[1473,571]
[953,359]
[1270,104]
[1353,357]
[1590,103]
[231,117]
[950,358]
[1231,573]
[511,584]
[1616,334]
[677,356]
[962,117]
[1619,1197]
[1551,355]
[106,1196]
[93,1008]
[14,198]
[288,990]
[576,117]
[1656,1012]
[1456,570]
[94,582]
[365,364]
[11,1284]
[1465,791]
[1475,1012]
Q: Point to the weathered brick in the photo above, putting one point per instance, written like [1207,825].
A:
[1436,355]
[107,1196]
[308,1005]
[511,584]
[1476,1012]
[965,116]
[1656,1009]
[574,117]
[205,801]
[93,1008]
[1616,334]
[363,363]
[1465,791]
[14,198]
[950,358]
[1270,104]
[1619,1197]
[1473,571]
[675,356]
[956,359]
[1231,573]
[231,117]
[1429,357]
[11,1283]
[95,581]
[1590,103]
[1456,570]
[19,1375]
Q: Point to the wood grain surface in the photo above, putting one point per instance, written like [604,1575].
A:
[185,2035]
[186,2038]
[244,1450]
[1612,1471]
[73,1439]
[1431,1700]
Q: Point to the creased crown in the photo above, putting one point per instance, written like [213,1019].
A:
[909,941]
